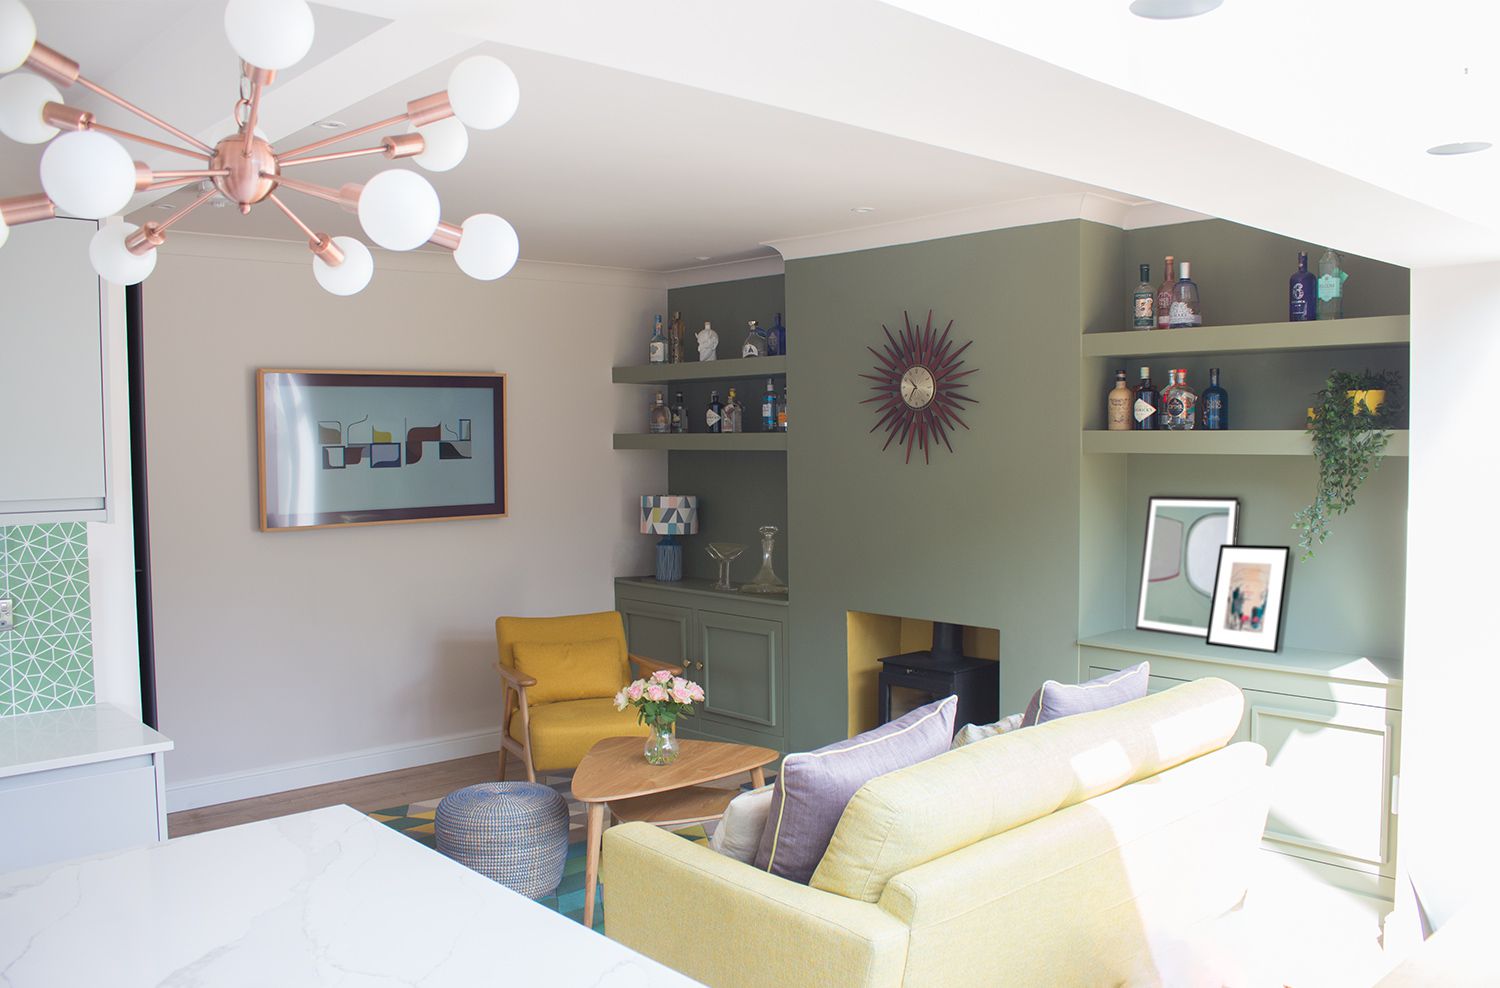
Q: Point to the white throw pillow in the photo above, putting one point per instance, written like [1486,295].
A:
[978,732]
[738,834]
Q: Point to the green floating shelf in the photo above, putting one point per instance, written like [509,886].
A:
[1244,442]
[768,442]
[1265,337]
[738,369]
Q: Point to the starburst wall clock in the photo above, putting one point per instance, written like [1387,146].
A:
[918,388]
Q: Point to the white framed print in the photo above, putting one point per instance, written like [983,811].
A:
[1183,536]
[1249,597]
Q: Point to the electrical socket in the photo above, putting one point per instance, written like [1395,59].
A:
[7,614]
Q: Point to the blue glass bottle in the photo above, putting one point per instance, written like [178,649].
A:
[1302,292]
[1215,400]
[778,338]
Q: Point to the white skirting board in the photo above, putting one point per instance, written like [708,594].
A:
[298,775]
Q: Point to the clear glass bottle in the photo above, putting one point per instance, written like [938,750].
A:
[1143,302]
[1180,404]
[1118,404]
[714,416]
[1331,278]
[768,408]
[661,417]
[1161,406]
[781,412]
[679,414]
[675,333]
[1187,307]
[1215,403]
[732,414]
[1164,296]
[1302,292]
[756,342]
[766,581]
[778,337]
[658,349]
[1143,411]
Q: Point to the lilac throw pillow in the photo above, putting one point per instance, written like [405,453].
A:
[1056,699]
[814,787]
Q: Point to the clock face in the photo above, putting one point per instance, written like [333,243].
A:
[917,387]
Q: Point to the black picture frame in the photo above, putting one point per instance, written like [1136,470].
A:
[1269,636]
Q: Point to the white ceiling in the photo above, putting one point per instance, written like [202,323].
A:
[652,135]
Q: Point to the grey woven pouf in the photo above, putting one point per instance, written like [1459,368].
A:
[513,832]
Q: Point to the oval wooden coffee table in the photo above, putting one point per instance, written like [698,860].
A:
[615,774]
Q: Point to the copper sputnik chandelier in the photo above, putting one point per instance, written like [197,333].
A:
[86,172]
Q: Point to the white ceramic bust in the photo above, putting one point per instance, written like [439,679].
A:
[708,343]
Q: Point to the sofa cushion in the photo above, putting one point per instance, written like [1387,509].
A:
[1056,699]
[917,814]
[563,732]
[738,834]
[970,733]
[571,670]
[814,786]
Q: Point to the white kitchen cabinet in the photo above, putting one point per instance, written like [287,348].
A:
[52,428]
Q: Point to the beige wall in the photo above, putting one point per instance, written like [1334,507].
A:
[294,658]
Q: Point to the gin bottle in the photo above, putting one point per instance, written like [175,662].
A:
[1187,308]
[1118,404]
[1215,404]
[1180,411]
[679,414]
[1143,303]
[1164,297]
[714,416]
[768,407]
[658,348]
[778,337]
[661,418]
[1146,400]
[732,412]
[756,342]
[675,333]
[1331,278]
[781,412]
[1161,406]
[1302,292]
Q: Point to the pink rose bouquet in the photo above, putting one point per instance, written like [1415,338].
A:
[660,699]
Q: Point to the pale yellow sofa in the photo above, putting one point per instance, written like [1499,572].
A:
[1063,854]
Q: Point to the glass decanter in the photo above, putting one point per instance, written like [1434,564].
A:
[766,580]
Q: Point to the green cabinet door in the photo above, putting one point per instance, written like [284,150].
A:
[656,631]
[742,668]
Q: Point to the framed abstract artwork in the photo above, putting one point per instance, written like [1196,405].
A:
[1250,597]
[368,447]
[1183,536]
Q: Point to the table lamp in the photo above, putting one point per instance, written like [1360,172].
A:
[669,515]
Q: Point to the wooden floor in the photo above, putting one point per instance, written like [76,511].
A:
[372,792]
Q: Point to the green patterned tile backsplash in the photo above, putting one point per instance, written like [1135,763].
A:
[47,659]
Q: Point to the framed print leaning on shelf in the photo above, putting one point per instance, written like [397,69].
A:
[372,447]
[1183,536]
[1250,597]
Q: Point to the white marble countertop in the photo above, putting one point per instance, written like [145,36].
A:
[328,897]
[76,736]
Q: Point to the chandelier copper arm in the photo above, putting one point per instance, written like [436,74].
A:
[321,244]
[65,117]
[392,146]
[27,209]
[153,235]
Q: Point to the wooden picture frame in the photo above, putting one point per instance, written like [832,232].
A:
[1250,592]
[1178,564]
[346,447]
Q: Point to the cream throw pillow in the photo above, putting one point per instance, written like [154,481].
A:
[738,834]
[978,732]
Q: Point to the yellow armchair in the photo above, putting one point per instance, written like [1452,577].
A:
[557,694]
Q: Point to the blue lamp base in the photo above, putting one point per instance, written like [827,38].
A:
[668,559]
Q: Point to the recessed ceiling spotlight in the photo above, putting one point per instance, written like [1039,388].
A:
[332,124]
[1459,147]
[862,209]
[164,205]
[705,257]
[1170,10]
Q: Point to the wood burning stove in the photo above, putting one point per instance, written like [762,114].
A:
[939,672]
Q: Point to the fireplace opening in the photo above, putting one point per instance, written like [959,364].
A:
[897,664]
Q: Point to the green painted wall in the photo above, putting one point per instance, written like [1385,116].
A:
[987,535]
[46,660]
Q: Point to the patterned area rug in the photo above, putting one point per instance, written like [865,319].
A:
[415,820]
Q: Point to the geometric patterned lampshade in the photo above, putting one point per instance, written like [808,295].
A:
[669,514]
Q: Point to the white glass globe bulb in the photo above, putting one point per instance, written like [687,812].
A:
[88,174]
[269,34]
[22,97]
[399,209]
[114,261]
[447,141]
[488,248]
[351,276]
[4,231]
[17,34]
[483,92]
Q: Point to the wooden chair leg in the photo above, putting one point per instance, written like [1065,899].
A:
[505,727]
[526,738]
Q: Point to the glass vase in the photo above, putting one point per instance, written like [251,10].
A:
[661,746]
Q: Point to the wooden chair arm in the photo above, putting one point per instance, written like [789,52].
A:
[516,679]
[652,665]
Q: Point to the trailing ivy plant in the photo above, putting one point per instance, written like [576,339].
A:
[1349,441]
